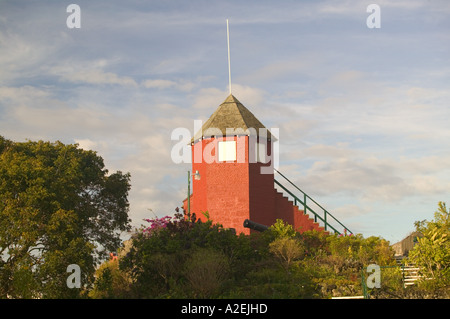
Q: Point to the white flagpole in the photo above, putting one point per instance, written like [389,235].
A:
[229,62]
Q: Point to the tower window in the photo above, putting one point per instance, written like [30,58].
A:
[227,151]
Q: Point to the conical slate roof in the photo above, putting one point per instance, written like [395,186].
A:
[235,117]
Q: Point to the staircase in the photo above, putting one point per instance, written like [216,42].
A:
[290,213]
[322,219]
[410,272]
[410,275]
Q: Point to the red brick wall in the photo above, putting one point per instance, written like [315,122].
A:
[223,189]
[262,199]
[233,192]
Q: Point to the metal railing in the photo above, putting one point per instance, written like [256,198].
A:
[325,218]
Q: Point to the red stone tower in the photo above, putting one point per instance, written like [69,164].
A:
[233,155]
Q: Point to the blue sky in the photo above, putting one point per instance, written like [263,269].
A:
[362,113]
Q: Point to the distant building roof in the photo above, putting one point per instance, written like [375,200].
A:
[403,247]
[234,116]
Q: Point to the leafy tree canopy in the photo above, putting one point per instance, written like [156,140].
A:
[58,206]
[432,252]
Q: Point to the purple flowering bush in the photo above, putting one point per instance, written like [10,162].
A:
[156,224]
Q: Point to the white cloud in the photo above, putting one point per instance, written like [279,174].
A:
[301,64]
[99,146]
[185,86]
[158,84]
[97,77]
[350,210]
[22,95]
[340,150]
[367,177]
[208,98]
[21,55]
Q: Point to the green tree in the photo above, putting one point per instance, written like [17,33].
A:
[282,229]
[111,282]
[206,270]
[58,206]
[337,265]
[287,250]
[287,245]
[186,258]
[432,251]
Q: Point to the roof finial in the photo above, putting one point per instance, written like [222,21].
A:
[229,63]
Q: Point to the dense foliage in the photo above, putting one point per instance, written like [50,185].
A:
[432,254]
[185,258]
[178,257]
[58,206]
